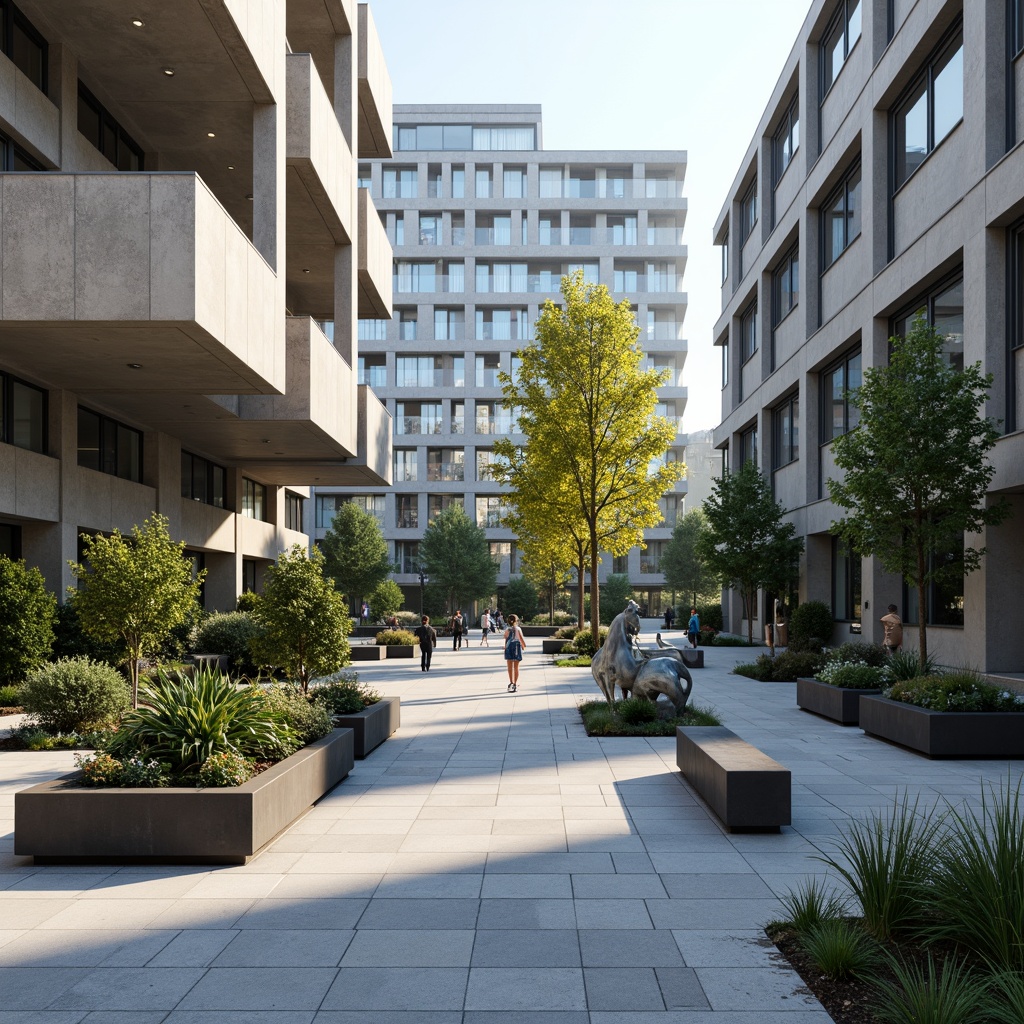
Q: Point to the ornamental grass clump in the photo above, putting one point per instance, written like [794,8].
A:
[343,694]
[811,903]
[636,710]
[928,995]
[841,949]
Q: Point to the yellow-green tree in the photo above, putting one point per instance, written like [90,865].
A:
[587,409]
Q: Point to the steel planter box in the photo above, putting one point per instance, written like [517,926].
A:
[973,734]
[840,704]
[373,725]
[59,821]
[549,646]
[398,650]
[366,652]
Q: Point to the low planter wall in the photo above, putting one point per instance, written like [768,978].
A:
[61,822]
[966,734]
[398,650]
[549,646]
[367,652]
[838,703]
[373,725]
[541,631]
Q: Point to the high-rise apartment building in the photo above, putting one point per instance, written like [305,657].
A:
[185,254]
[886,178]
[484,223]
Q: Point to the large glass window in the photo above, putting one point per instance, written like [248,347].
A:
[400,183]
[108,446]
[418,417]
[748,211]
[418,371]
[748,332]
[100,127]
[514,183]
[931,108]
[254,500]
[405,465]
[430,229]
[786,140]
[487,367]
[786,286]
[839,38]
[841,217]
[23,409]
[488,511]
[203,480]
[24,44]
[373,371]
[945,599]
[458,183]
[846,584]
[748,445]
[407,513]
[551,183]
[446,464]
[438,503]
[449,324]
[786,432]
[293,512]
[838,413]
[651,556]
[484,188]
[943,309]
[407,556]
[504,137]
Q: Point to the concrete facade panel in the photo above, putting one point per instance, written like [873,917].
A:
[173,243]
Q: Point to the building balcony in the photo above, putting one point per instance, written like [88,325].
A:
[375,256]
[374,92]
[134,283]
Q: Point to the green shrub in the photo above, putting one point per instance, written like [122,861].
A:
[408,620]
[840,949]
[854,653]
[306,721]
[343,694]
[184,720]
[140,773]
[888,861]
[926,996]
[228,768]
[561,618]
[810,625]
[583,641]
[636,710]
[907,665]
[75,694]
[27,614]
[725,640]
[710,616]
[70,640]
[792,665]
[811,903]
[601,720]
[858,677]
[956,691]
[578,661]
[1007,1003]
[99,769]
[10,696]
[565,633]
[247,601]
[760,669]
[520,596]
[395,638]
[385,599]
[616,591]
[32,737]
[230,633]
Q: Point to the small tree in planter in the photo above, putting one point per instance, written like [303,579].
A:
[27,614]
[134,591]
[385,599]
[304,620]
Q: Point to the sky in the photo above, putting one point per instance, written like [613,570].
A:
[690,75]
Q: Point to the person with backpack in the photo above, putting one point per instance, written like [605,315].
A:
[457,623]
[515,644]
[428,641]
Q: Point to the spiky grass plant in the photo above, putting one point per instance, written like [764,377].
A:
[888,860]
[1007,989]
[928,996]
[841,949]
[810,904]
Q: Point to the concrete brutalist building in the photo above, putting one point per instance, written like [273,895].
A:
[185,254]
[484,222]
[886,176]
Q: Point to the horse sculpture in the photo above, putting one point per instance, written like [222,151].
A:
[616,663]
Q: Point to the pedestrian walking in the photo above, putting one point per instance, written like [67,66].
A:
[485,626]
[670,614]
[457,624]
[427,636]
[515,644]
[693,627]
[893,626]
[364,613]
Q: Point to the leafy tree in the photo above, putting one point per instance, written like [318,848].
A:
[682,562]
[135,591]
[27,614]
[385,599]
[521,597]
[747,545]
[455,554]
[616,592]
[588,412]
[355,552]
[547,566]
[916,470]
[304,620]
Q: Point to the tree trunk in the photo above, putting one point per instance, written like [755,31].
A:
[748,610]
[595,593]
[922,611]
[133,675]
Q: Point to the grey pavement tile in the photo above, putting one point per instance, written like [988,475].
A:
[524,988]
[715,886]
[258,947]
[712,913]
[187,913]
[540,886]
[129,988]
[630,863]
[332,915]
[239,1017]
[193,948]
[605,887]
[42,949]
[622,988]
[327,887]
[124,1017]
[18,912]
[27,988]
[409,948]
[752,988]
[607,947]
[260,988]
[526,913]
[390,1017]
[613,913]
[453,886]
[408,914]
[540,947]
[680,988]
[397,988]
[40,1016]
[526,1017]
[551,863]
[727,948]
[720,1017]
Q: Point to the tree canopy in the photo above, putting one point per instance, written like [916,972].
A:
[747,545]
[916,469]
[355,552]
[455,555]
[134,591]
[27,614]
[594,448]
[683,562]
[304,623]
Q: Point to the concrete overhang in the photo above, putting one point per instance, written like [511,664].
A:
[312,26]
[375,262]
[374,92]
[135,283]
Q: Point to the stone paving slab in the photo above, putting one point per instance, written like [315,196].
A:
[490,864]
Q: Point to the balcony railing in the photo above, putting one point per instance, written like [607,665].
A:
[374,376]
[407,521]
[494,425]
[418,425]
[666,330]
[630,282]
[550,236]
[405,284]
[661,188]
[664,236]
[446,471]
[620,236]
[487,378]
[582,236]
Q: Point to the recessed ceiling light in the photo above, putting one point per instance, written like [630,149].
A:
[169,72]
[138,22]
[305,270]
[231,167]
[134,366]
[211,135]
[266,440]
[249,197]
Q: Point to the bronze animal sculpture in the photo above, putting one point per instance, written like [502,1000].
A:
[617,664]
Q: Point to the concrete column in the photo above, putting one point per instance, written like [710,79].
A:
[268,182]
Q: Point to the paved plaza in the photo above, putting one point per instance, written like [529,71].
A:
[490,864]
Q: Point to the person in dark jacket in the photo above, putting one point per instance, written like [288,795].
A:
[428,639]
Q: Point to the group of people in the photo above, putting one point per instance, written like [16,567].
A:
[515,642]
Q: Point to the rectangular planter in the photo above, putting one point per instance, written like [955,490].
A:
[399,650]
[60,822]
[373,725]
[838,703]
[966,734]
[554,646]
[367,652]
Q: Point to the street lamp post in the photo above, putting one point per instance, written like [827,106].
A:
[423,582]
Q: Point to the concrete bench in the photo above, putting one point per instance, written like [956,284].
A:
[746,789]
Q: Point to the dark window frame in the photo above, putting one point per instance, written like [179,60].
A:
[1014,320]
[251,490]
[13,18]
[790,263]
[748,445]
[933,597]
[841,191]
[748,346]
[7,385]
[839,20]
[293,511]
[784,454]
[748,212]
[109,454]
[109,123]
[844,360]
[11,152]
[846,605]
[209,471]
[925,301]
[788,131]
[1015,27]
